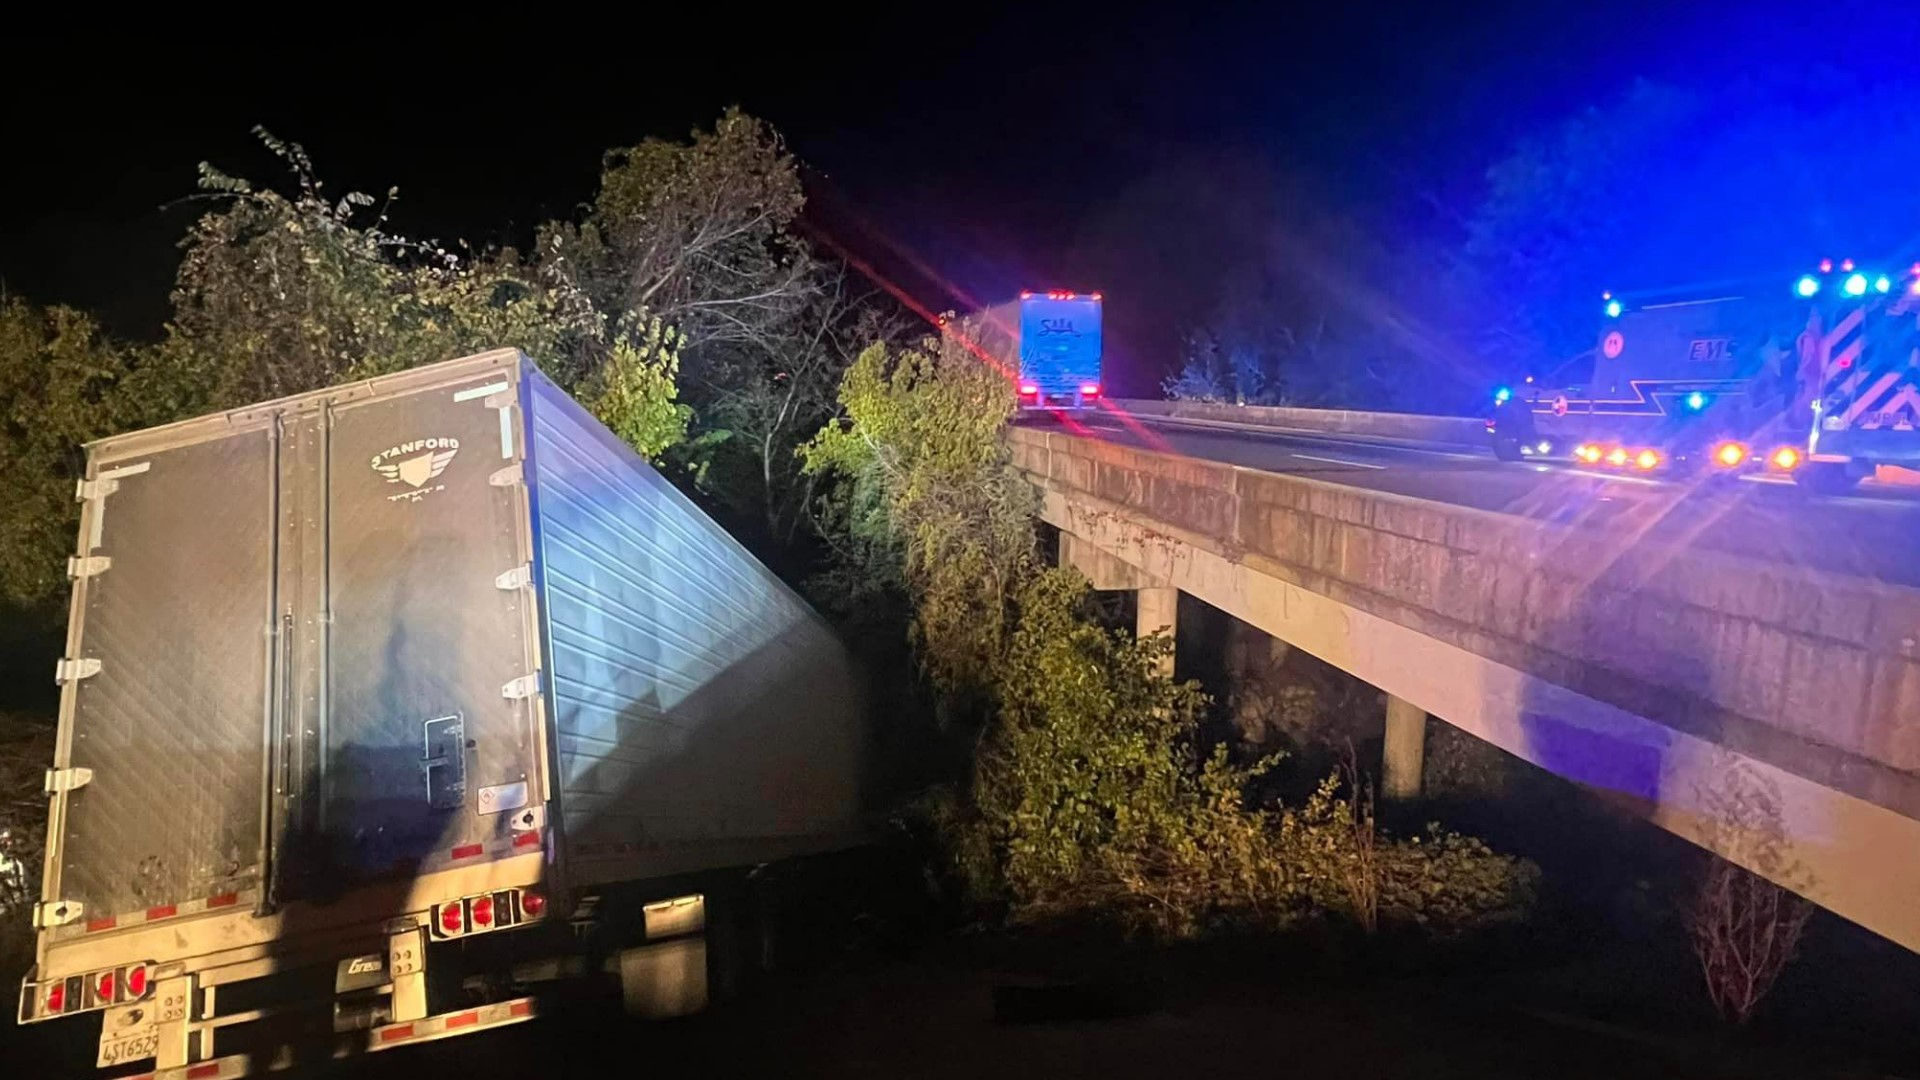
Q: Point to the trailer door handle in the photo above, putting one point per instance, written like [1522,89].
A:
[445,763]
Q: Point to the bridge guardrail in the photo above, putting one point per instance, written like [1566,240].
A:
[1413,427]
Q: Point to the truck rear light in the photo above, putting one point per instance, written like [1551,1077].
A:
[56,998]
[1589,453]
[452,921]
[1646,460]
[481,911]
[1730,455]
[1091,389]
[532,904]
[1786,459]
[1616,456]
[1028,389]
[136,982]
[103,987]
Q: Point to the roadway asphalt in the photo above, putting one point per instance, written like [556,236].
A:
[1873,532]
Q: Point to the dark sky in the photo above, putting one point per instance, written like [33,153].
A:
[994,148]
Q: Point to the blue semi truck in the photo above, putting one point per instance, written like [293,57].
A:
[1050,345]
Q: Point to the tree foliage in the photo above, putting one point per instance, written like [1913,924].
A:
[927,479]
[60,386]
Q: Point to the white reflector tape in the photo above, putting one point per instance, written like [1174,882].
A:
[447,1025]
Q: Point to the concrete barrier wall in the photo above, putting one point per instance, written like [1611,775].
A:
[1815,673]
[1449,430]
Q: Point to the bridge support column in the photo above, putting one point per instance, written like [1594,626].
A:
[1406,750]
[1157,609]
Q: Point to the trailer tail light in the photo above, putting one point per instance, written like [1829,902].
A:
[85,993]
[1646,460]
[1786,459]
[1588,452]
[487,911]
[1028,389]
[1730,455]
[1616,456]
[1091,389]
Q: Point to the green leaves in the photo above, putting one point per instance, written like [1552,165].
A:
[634,392]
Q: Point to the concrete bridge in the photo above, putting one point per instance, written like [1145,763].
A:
[1762,708]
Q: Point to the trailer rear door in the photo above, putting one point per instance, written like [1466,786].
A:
[167,674]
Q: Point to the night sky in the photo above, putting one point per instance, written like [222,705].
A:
[993,150]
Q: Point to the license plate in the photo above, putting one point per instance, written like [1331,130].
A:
[118,1049]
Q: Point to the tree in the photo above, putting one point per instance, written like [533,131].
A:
[60,384]
[697,233]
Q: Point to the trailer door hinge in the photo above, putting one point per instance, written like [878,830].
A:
[516,578]
[525,686]
[56,913]
[67,670]
[59,780]
[88,490]
[506,477]
[90,566]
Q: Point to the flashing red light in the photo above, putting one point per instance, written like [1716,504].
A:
[1091,389]
[57,997]
[136,982]
[1846,266]
[532,904]
[1826,266]
[483,911]
[450,918]
[1028,389]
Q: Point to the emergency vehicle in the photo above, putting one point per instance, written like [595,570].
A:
[1818,380]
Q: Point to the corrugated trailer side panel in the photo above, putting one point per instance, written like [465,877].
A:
[704,715]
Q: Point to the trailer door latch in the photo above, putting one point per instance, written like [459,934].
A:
[59,780]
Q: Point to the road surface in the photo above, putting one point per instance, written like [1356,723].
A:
[1873,533]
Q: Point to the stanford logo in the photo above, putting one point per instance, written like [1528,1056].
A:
[414,464]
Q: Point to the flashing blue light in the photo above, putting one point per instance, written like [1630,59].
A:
[1696,401]
[1855,285]
[1613,309]
[1807,285]
[1883,284]
[1501,395]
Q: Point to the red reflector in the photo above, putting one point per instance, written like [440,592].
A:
[460,1020]
[527,839]
[1843,363]
[483,911]
[57,997]
[468,851]
[136,981]
[202,1072]
[223,900]
[107,923]
[396,1033]
[450,918]
[521,1008]
[532,904]
[103,987]
[164,911]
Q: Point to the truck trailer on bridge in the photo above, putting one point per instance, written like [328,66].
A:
[1050,343]
[384,703]
[1815,379]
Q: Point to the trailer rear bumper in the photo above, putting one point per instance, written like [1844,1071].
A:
[387,1037]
